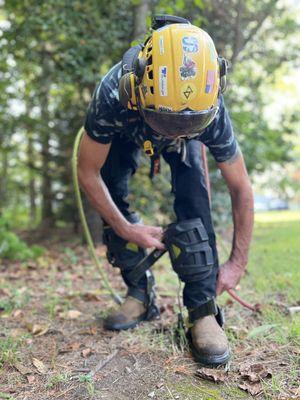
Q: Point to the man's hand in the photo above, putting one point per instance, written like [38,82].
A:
[144,236]
[229,276]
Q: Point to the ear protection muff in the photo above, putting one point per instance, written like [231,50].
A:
[223,67]
[133,71]
[127,95]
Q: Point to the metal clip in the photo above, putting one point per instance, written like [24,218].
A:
[148,148]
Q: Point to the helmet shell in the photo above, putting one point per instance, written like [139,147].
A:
[182,71]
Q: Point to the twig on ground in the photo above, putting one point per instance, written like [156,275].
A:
[103,363]
[170,392]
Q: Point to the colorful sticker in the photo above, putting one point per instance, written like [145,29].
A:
[165,108]
[190,44]
[188,91]
[210,80]
[161,45]
[163,87]
[188,68]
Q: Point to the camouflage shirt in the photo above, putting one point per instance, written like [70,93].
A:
[106,117]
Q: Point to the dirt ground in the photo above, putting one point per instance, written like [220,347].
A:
[54,346]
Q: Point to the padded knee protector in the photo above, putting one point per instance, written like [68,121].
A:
[191,255]
[120,253]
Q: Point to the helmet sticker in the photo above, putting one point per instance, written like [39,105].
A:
[190,44]
[188,91]
[188,68]
[161,45]
[163,83]
[165,108]
[210,80]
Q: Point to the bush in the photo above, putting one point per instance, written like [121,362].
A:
[13,248]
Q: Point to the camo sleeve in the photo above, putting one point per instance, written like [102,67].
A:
[102,121]
[219,136]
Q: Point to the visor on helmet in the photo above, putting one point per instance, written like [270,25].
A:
[175,124]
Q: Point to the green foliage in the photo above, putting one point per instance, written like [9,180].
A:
[13,248]
[53,54]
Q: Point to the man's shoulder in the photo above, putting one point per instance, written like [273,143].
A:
[107,90]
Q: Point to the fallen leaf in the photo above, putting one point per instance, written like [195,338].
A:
[30,378]
[17,314]
[91,330]
[22,368]
[38,329]
[252,388]
[71,314]
[89,296]
[86,352]
[74,346]
[17,332]
[40,366]
[211,374]
[254,372]
[296,391]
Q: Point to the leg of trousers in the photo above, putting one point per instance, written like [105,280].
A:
[121,163]
[191,201]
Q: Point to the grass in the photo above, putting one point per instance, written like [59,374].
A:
[9,351]
[271,337]
[273,280]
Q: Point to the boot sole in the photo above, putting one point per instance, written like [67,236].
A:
[150,315]
[206,360]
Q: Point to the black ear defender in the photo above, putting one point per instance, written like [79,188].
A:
[223,67]
[139,68]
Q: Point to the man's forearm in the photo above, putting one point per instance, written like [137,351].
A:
[242,211]
[101,200]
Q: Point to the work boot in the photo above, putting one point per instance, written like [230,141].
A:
[130,314]
[208,342]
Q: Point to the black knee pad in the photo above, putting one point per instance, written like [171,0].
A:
[191,255]
[120,253]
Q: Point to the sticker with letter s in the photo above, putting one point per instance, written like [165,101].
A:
[190,44]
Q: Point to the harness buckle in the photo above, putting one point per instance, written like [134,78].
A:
[148,148]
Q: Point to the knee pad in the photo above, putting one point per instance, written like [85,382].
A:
[191,255]
[120,253]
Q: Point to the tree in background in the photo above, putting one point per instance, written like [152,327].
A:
[53,54]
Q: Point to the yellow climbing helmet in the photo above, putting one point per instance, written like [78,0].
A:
[176,79]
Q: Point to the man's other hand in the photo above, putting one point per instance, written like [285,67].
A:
[229,276]
[145,236]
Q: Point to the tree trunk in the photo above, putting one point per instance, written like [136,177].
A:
[31,186]
[47,207]
[3,179]
[141,11]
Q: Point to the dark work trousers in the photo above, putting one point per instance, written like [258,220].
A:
[191,200]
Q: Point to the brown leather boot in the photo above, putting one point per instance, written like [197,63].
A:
[130,314]
[208,342]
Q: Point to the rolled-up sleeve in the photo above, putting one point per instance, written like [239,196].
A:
[99,123]
[219,136]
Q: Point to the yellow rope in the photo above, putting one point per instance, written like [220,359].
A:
[104,279]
